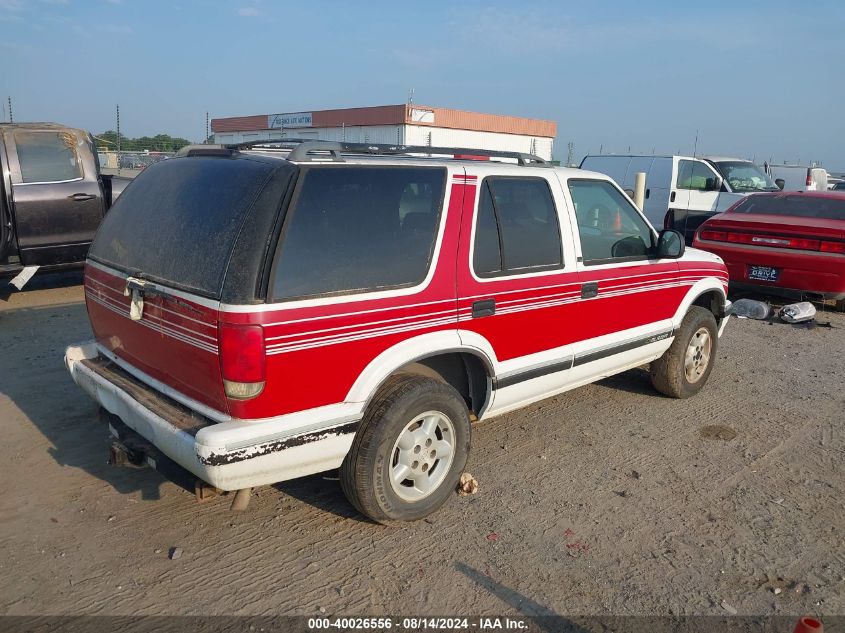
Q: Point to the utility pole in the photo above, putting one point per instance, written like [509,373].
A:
[11,116]
[118,138]
[206,129]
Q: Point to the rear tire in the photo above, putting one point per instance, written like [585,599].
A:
[409,452]
[685,367]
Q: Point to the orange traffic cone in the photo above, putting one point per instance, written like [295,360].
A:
[809,625]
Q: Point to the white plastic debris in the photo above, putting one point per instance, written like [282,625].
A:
[20,280]
[798,312]
[751,309]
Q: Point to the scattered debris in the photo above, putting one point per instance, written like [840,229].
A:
[751,309]
[468,485]
[635,474]
[492,536]
[175,553]
[20,280]
[798,312]
[778,501]
[157,551]
[777,591]
[728,607]
[111,518]
[621,493]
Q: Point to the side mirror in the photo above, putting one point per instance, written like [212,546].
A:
[670,244]
[781,183]
[713,184]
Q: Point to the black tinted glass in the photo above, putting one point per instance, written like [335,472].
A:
[528,223]
[357,229]
[487,255]
[177,222]
[797,205]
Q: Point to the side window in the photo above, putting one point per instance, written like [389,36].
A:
[47,156]
[695,176]
[609,226]
[517,229]
[358,229]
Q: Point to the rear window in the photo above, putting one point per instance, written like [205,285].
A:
[798,205]
[358,229]
[178,221]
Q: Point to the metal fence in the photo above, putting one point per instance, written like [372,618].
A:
[135,161]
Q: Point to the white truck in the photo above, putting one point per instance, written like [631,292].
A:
[798,177]
[683,191]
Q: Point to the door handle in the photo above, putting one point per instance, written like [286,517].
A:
[81,197]
[483,308]
[672,197]
[589,290]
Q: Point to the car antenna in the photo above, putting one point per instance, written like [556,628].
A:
[695,147]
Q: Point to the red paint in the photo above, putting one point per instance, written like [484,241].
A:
[313,355]
[809,252]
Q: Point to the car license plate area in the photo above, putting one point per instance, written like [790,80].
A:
[763,273]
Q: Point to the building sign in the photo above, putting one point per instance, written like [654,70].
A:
[297,119]
[418,115]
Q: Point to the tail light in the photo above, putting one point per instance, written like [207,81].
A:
[833,247]
[797,243]
[242,360]
[715,236]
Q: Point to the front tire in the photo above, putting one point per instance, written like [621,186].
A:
[685,367]
[409,452]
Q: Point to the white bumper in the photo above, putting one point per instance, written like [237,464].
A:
[230,455]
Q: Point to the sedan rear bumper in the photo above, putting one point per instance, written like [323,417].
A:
[264,453]
[799,271]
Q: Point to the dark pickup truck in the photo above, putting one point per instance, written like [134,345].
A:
[52,197]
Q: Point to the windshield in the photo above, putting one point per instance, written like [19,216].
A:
[745,177]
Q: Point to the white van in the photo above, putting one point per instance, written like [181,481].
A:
[683,191]
[798,177]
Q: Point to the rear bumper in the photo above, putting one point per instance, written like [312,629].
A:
[818,273]
[229,455]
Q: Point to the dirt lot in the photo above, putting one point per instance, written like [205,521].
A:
[606,500]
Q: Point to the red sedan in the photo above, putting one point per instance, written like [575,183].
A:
[785,241]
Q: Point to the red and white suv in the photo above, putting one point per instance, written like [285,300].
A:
[263,315]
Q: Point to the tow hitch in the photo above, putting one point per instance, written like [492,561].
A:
[131,450]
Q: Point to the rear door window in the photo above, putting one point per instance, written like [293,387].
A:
[517,229]
[47,156]
[358,229]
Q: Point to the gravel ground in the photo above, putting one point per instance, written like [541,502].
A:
[606,500]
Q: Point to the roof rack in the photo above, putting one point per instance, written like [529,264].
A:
[305,150]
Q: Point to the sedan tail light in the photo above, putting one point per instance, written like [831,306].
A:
[714,236]
[776,241]
[242,360]
[833,247]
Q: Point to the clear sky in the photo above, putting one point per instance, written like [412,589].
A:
[756,79]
